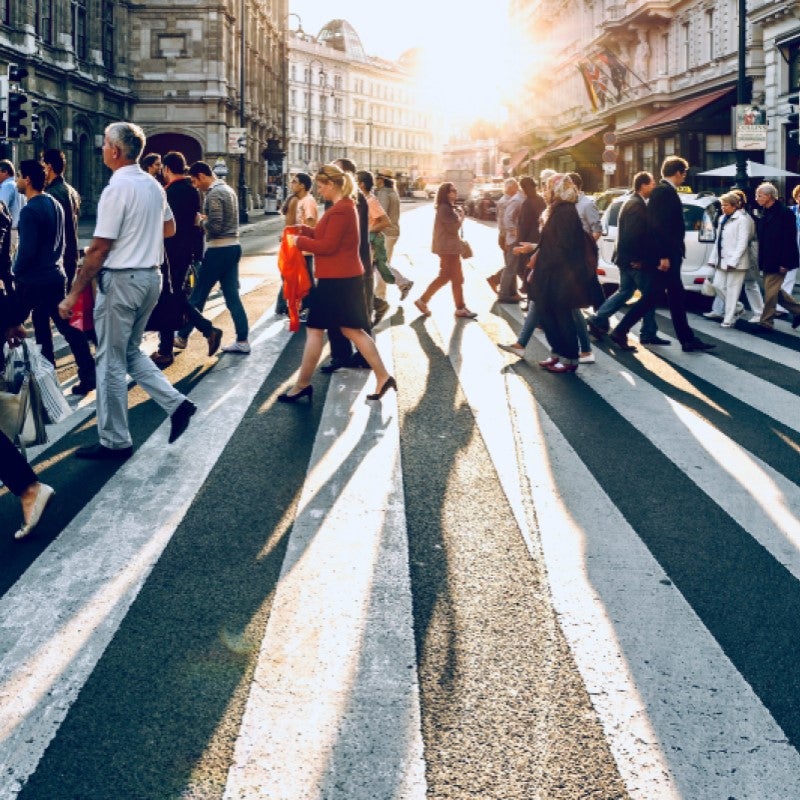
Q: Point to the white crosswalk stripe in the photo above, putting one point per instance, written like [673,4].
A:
[336,672]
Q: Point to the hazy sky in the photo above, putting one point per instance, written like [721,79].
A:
[387,29]
[466,43]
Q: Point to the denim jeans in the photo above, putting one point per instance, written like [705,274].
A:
[629,281]
[220,265]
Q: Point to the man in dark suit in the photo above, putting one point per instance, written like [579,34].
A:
[631,256]
[777,254]
[667,249]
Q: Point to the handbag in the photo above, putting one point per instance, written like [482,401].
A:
[82,312]
[707,289]
[464,249]
[17,420]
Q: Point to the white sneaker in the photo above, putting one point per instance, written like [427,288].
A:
[739,310]
[713,315]
[242,348]
[586,359]
[727,325]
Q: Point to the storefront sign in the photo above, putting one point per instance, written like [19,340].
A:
[750,124]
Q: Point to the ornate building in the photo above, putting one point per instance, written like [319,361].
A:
[659,75]
[172,66]
[342,102]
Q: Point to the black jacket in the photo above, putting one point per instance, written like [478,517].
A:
[777,239]
[70,202]
[562,278]
[530,213]
[633,240]
[665,222]
[187,243]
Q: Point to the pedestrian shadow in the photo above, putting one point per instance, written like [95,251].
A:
[186,650]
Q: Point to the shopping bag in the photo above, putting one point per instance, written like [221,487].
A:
[82,312]
[44,384]
[22,418]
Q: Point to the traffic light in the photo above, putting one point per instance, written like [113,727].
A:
[16,113]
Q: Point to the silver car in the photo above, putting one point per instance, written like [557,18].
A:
[700,215]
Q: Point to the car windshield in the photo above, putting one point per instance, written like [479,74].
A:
[613,214]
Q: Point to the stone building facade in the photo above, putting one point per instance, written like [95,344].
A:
[343,102]
[659,75]
[172,66]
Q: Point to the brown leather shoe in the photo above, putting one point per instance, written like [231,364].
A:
[494,283]
[161,360]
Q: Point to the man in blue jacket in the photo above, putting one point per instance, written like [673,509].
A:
[39,279]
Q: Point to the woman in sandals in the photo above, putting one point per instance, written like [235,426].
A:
[447,245]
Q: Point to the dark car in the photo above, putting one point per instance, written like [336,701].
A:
[482,202]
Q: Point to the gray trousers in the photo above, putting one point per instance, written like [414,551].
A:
[122,307]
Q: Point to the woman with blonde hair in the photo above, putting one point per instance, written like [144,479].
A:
[447,245]
[337,301]
[731,254]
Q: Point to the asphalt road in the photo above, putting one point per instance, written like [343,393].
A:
[498,584]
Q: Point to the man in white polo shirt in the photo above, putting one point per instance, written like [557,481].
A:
[133,218]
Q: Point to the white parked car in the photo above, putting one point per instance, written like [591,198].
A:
[700,215]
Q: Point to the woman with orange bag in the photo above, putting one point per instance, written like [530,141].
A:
[337,301]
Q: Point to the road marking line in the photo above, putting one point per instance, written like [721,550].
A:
[634,638]
[57,620]
[334,706]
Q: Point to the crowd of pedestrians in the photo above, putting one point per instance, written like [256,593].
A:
[649,252]
[158,220]
[146,239]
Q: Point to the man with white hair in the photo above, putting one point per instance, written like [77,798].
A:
[777,254]
[125,254]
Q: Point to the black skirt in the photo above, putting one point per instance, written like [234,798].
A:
[338,303]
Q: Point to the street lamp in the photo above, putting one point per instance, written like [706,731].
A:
[323,96]
[243,218]
[285,99]
[308,132]
[741,98]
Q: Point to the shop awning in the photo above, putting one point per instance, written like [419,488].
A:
[549,149]
[579,138]
[517,159]
[677,112]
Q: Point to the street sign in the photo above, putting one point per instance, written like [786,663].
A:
[609,169]
[609,156]
[750,127]
[609,139]
[237,141]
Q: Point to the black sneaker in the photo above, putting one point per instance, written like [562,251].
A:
[655,340]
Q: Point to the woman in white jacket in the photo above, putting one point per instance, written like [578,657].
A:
[731,254]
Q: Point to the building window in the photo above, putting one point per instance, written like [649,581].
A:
[794,67]
[293,72]
[685,42]
[665,54]
[44,20]
[79,28]
[709,19]
[338,106]
[5,12]
[108,34]
[337,82]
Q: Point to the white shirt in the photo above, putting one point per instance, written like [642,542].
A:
[132,211]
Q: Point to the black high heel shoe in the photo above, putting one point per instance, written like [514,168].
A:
[389,383]
[308,392]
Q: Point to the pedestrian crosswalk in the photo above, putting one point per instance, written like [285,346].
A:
[658,493]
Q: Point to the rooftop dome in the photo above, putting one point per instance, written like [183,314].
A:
[341,35]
